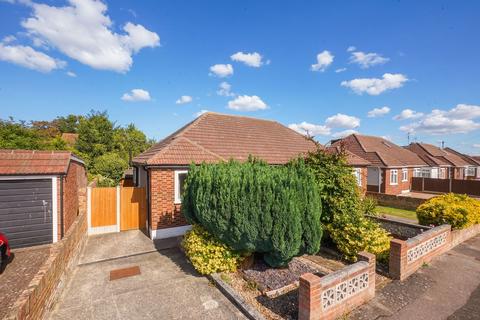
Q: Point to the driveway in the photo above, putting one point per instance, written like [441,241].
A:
[166,288]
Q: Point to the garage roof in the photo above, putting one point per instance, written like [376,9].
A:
[35,162]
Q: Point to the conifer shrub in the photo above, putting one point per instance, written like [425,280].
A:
[255,207]
[459,211]
[207,254]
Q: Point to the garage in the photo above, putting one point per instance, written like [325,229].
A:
[26,211]
[40,194]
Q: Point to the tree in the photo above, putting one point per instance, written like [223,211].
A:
[111,166]
[17,135]
[68,124]
[95,136]
[130,142]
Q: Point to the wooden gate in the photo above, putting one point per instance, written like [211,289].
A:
[133,208]
[117,209]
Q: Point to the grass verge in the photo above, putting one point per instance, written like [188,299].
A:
[401,213]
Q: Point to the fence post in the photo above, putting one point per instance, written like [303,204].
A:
[423,184]
[118,208]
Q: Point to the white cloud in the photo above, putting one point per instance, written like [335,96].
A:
[375,86]
[199,113]
[250,59]
[136,95]
[367,60]
[351,48]
[340,70]
[310,129]
[225,89]
[342,121]
[221,70]
[184,99]
[71,74]
[30,58]
[344,133]
[324,59]
[476,145]
[460,119]
[8,39]
[408,114]
[83,31]
[378,112]
[247,103]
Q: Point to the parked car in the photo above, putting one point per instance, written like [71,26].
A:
[4,249]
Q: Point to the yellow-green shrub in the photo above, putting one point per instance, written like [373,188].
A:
[207,254]
[459,211]
[361,235]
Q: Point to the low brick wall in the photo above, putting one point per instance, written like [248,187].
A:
[408,256]
[338,293]
[45,287]
[458,236]
[400,202]
[399,228]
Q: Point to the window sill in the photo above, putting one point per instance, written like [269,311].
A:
[393,184]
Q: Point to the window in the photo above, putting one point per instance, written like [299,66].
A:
[393,176]
[180,176]
[357,172]
[421,172]
[404,175]
[469,171]
[442,173]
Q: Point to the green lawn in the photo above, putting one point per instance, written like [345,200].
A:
[401,213]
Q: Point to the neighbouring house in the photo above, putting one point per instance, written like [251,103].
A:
[41,194]
[390,167]
[444,163]
[70,138]
[210,138]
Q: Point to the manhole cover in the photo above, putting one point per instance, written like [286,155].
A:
[124,273]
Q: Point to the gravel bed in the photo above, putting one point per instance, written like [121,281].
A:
[268,278]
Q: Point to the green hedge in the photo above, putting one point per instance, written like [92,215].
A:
[254,207]
[459,211]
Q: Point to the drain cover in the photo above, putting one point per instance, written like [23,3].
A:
[124,273]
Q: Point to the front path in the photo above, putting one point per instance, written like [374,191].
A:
[167,288]
[447,288]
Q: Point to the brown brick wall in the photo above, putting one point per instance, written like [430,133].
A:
[47,284]
[312,286]
[400,202]
[74,187]
[401,186]
[164,212]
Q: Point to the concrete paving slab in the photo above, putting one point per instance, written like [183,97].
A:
[167,287]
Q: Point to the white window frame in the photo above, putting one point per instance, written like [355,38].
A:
[357,172]
[469,171]
[442,173]
[176,186]
[393,173]
[404,175]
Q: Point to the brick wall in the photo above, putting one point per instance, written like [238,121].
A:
[47,284]
[338,293]
[401,186]
[74,189]
[164,212]
[408,256]
[458,236]
[400,202]
[398,229]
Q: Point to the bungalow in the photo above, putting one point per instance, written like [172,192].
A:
[391,166]
[444,163]
[41,194]
[210,138]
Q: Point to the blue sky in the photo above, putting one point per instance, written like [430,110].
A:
[311,65]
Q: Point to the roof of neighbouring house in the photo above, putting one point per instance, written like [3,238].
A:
[352,158]
[70,138]
[214,137]
[471,160]
[379,151]
[436,156]
[35,162]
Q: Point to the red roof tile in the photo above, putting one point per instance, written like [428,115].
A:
[379,152]
[34,162]
[436,156]
[213,137]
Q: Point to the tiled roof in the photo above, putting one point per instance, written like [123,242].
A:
[352,158]
[436,156]
[34,162]
[213,137]
[379,152]
[70,138]
[469,159]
